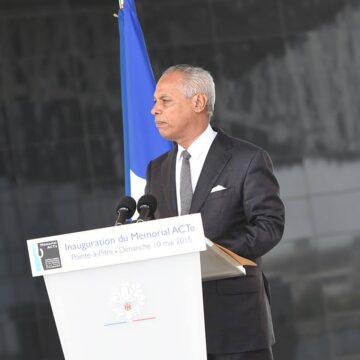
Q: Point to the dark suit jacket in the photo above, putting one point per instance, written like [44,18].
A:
[248,218]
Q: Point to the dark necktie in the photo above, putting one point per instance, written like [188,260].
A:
[186,192]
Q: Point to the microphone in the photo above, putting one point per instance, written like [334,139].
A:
[125,210]
[146,207]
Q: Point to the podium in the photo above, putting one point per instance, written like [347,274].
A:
[127,292]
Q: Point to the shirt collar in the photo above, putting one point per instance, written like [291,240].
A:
[201,144]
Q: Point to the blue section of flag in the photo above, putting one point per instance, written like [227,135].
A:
[142,140]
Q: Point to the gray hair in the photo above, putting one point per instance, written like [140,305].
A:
[196,80]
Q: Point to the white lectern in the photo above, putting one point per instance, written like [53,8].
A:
[126,292]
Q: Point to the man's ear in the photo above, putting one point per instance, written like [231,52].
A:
[199,102]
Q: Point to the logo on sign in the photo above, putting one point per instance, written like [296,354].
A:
[47,254]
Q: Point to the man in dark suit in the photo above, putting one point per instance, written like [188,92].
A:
[233,187]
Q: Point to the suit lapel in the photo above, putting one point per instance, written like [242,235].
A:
[215,162]
[168,172]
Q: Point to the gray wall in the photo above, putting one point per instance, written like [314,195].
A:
[288,79]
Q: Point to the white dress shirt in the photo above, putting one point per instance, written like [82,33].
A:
[198,151]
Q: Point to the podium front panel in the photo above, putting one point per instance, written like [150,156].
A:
[149,309]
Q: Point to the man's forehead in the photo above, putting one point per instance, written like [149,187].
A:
[173,78]
[168,83]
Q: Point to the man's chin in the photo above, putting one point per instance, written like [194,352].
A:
[165,134]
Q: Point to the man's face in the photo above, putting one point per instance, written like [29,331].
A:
[174,115]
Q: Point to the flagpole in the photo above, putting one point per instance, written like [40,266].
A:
[121,6]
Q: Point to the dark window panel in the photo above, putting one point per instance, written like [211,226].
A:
[41,298]
[21,38]
[96,212]
[185,25]
[282,308]
[103,119]
[7,172]
[45,122]
[12,233]
[36,34]
[199,55]
[110,188]
[53,37]
[27,339]
[246,19]
[346,339]
[19,264]
[83,5]
[308,15]
[19,8]
[98,84]
[8,297]
[54,163]
[18,80]
[95,32]
[5,140]
[240,57]
[2,340]
[39,79]
[38,220]
[314,343]
[106,157]
[50,342]
[4,268]
[67,216]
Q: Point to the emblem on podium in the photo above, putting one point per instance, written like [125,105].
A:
[127,301]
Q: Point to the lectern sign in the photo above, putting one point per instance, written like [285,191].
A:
[126,292]
[123,244]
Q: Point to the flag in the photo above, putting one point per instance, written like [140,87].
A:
[142,141]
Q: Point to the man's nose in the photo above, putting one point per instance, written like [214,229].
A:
[155,110]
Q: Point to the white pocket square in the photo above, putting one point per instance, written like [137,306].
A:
[218,188]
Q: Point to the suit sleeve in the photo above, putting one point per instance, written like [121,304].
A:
[263,211]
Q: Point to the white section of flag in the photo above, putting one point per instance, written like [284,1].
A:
[137,186]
